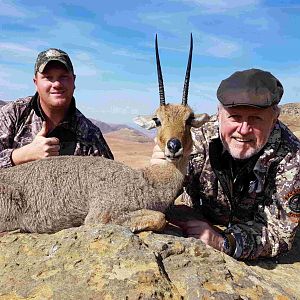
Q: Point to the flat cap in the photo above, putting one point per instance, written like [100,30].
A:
[52,54]
[251,87]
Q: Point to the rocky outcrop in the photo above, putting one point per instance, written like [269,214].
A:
[290,116]
[292,109]
[110,262]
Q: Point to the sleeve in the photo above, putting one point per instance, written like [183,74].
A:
[100,147]
[274,226]
[8,117]
[91,139]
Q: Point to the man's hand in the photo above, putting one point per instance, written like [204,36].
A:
[158,156]
[203,231]
[44,146]
[40,147]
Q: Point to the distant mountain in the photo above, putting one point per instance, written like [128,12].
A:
[122,130]
[127,134]
[292,109]
[108,127]
[104,127]
[2,102]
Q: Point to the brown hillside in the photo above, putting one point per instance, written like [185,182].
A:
[290,115]
[129,148]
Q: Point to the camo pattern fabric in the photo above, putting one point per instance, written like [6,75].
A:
[261,206]
[76,130]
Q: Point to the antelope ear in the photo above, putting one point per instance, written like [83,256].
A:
[146,122]
[199,120]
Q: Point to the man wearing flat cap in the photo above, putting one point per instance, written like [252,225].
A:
[244,172]
[48,123]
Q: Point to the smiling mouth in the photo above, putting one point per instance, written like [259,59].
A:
[57,93]
[242,140]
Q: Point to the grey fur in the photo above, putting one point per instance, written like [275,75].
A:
[52,194]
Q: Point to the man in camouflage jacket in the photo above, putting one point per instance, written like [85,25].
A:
[244,172]
[48,124]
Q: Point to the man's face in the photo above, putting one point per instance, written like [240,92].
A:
[55,87]
[245,130]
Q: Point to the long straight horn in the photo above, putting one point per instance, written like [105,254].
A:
[159,74]
[187,75]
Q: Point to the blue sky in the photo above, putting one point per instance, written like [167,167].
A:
[111,44]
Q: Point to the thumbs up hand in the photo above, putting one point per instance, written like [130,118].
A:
[44,130]
[40,147]
[43,146]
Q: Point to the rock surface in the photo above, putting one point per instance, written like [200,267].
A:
[110,262]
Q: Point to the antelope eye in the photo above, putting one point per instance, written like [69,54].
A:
[157,122]
[190,119]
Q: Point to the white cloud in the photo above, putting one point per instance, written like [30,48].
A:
[10,85]
[68,31]
[210,44]
[86,70]
[14,47]
[290,82]
[222,6]
[84,64]
[8,9]
[17,53]
[128,53]
[82,56]
[259,23]
[218,47]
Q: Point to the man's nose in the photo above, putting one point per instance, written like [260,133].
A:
[56,83]
[244,128]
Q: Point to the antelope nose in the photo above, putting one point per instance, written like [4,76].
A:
[174,145]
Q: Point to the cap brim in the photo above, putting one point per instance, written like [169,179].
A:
[42,67]
[244,104]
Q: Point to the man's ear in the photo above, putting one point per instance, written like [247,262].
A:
[275,121]
[74,81]
[34,81]
[146,122]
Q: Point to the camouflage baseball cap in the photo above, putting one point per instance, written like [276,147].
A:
[251,87]
[52,54]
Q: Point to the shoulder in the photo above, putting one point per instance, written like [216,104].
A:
[86,126]
[286,145]
[15,107]
[288,173]
[207,132]
[288,139]
[90,134]
[289,151]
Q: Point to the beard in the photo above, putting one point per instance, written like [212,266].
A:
[240,154]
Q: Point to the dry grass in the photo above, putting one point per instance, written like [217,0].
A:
[131,153]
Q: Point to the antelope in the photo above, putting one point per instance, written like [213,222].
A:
[55,193]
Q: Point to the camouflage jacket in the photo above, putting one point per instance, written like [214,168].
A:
[22,119]
[258,202]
